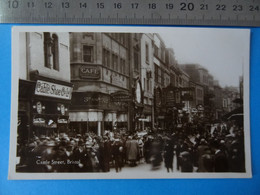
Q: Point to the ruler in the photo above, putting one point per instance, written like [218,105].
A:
[143,12]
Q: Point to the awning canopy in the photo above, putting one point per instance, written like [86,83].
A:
[236,111]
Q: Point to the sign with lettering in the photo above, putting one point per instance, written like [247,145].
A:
[89,72]
[116,79]
[121,96]
[62,121]
[39,122]
[48,89]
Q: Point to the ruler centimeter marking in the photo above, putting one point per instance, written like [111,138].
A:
[152,12]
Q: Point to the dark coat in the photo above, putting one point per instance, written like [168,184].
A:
[168,155]
[132,150]
[221,161]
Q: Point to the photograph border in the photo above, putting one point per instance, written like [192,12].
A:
[13,175]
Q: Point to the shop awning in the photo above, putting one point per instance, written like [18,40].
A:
[237,111]
[85,116]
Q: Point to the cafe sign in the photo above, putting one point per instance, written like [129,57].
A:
[49,89]
[89,72]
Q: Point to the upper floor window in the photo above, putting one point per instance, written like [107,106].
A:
[106,58]
[115,62]
[88,53]
[122,66]
[156,51]
[148,85]
[156,73]
[146,53]
[55,52]
[51,50]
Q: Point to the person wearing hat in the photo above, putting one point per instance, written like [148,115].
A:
[201,150]
[221,160]
[181,147]
[132,150]
[168,155]
[117,152]
[105,154]
[186,164]
[147,149]
[78,155]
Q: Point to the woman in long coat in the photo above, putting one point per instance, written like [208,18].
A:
[168,156]
[132,151]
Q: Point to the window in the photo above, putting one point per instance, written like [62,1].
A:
[159,75]
[115,62]
[55,52]
[51,50]
[106,58]
[162,77]
[156,51]
[87,53]
[146,53]
[162,54]
[156,73]
[47,49]
[122,66]
[148,85]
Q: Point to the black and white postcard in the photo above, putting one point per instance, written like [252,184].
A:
[129,102]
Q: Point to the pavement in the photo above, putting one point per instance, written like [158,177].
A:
[144,167]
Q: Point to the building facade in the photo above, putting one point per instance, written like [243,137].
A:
[161,80]
[44,84]
[105,70]
[147,78]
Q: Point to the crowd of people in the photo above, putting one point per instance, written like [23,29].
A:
[212,148]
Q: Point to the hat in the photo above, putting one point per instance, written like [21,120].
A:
[89,144]
[51,143]
[31,145]
[185,154]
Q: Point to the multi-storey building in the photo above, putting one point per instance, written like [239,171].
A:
[161,79]
[44,83]
[200,75]
[218,100]
[147,78]
[229,95]
[105,68]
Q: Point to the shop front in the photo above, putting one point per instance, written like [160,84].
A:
[95,112]
[147,117]
[43,107]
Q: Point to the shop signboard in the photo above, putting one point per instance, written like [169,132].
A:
[89,72]
[121,96]
[39,122]
[62,121]
[54,90]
